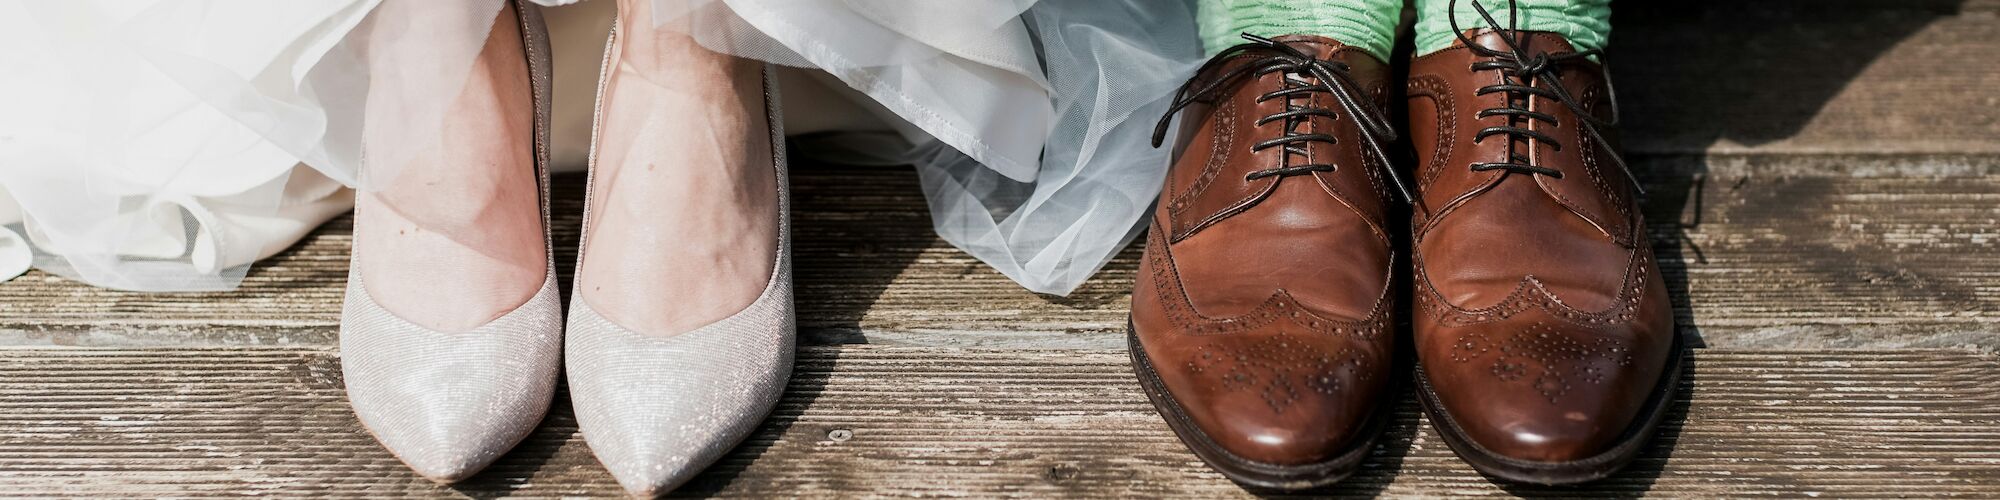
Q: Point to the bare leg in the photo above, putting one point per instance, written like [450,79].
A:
[684,205]
[456,242]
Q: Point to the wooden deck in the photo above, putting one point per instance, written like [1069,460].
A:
[1826,206]
[913,421]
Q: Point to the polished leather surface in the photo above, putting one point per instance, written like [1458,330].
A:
[1541,320]
[1263,304]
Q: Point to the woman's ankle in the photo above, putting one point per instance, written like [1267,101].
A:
[682,228]
[669,58]
[456,239]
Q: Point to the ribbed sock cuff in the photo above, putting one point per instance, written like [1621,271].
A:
[1367,24]
[1586,23]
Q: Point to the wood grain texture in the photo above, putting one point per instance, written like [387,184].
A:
[1762,251]
[980,423]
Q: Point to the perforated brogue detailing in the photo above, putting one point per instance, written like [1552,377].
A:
[1550,361]
[1281,368]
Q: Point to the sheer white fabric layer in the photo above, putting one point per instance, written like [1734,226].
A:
[1028,122]
[167,144]
[157,145]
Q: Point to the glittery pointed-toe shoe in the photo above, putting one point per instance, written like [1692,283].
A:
[657,409]
[449,403]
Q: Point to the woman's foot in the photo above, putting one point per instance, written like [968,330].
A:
[456,240]
[680,334]
[456,245]
[683,207]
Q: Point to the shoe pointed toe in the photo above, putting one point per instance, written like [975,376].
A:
[656,410]
[1535,390]
[650,465]
[444,452]
[1554,443]
[448,404]
[451,431]
[1274,406]
[1306,435]
[1536,431]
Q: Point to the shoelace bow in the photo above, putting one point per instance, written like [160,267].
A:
[1519,75]
[1332,78]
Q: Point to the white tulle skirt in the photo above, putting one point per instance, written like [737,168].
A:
[168,144]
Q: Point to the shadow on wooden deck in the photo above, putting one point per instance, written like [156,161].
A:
[1705,62]
[1694,75]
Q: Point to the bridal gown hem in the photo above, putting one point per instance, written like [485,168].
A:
[168,144]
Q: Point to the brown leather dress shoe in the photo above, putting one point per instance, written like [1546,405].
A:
[1260,321]
[1544,336]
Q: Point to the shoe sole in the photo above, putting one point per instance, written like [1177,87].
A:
[1251,472]
[1629,444]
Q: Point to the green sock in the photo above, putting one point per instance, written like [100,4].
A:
[1586,23]
[1367,24]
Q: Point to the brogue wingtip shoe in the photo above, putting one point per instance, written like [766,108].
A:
[1545,338]
[1260,322]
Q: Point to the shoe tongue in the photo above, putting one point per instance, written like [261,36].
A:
[1313,45]
[1531,42]
[1209,183]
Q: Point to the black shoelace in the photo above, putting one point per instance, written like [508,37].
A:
[1520,74]
[1332,78]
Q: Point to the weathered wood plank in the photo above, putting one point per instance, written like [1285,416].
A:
[1778,251]
[981,423]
